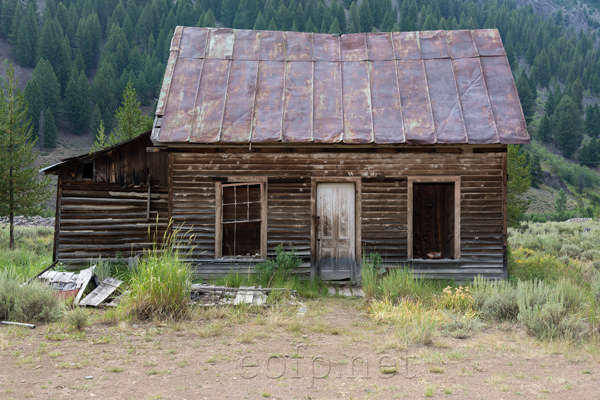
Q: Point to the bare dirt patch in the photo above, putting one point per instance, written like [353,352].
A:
[332,352]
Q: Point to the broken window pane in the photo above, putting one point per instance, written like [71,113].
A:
[241,220]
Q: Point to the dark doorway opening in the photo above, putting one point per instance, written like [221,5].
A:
[433,221]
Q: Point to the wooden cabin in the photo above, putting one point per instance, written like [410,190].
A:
[335,146]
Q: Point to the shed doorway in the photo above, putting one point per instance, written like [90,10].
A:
[434,220]
[336,231]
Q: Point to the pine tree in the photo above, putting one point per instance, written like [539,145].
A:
[536,171]
[48,83]
[100,139]
[310,26]
[77,103]
[260,24]
[21,192]
[541,69]
[526,97]
[130,121]
[592,120]
[354,22]
[519,180]
[27,39]
[35,104]
[568,133]
[560,204]
[228,10]
[95,119]
[50,134]
[335,27]
[209,20]
[544,132]
[366,19]
[590,153]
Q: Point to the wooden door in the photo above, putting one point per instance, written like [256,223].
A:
[336,231]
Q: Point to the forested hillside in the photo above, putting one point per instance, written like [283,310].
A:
[84,52]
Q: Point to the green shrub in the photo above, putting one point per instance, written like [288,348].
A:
[34,302]
[591,255]
[570,251]
[526,264]
[400,282]
[595,287]
[159,286]
[78,319]
[501,306]
[279,270]
[233,280]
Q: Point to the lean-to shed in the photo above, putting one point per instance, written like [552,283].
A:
[337,147]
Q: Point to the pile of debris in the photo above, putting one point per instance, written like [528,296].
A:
[211,295]
[71,284]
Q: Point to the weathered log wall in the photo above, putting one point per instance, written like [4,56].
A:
[105,220]
[384,203]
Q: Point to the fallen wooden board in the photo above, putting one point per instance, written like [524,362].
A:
[83,281]
[101,293]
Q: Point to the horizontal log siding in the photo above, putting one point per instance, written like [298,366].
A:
[103,220]
[384,204]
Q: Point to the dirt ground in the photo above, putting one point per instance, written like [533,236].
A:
[332,352]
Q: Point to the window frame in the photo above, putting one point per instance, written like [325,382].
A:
[410,201]
[240,181]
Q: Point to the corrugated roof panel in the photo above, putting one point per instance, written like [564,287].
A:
[241,92]
[504,100]
[358,119]
[406,45]
[460,44]
[433,44]
[297,103]
[370,87]
[193,43]
[445,105]
[220,43]
[247,45]
[416,109]
[210,102]
[182,98]
[268,109]
[380,46]
[299,46]
[326,48]
[327,103]
[385,94]
[488,42]
[354,47]
[477,111]
[272,46]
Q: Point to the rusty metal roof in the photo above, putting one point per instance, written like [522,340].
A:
[244,86]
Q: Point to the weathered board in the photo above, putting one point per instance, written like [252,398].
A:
[101,293]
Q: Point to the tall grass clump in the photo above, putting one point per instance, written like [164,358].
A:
[34,302]
[495,300]
[159,287]
[369,269]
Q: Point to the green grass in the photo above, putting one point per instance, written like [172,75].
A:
[33,250]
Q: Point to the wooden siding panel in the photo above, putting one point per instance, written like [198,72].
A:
[384,203]
[104,220]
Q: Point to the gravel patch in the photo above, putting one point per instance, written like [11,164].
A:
[29,221]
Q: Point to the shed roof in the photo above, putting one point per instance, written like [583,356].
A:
[226,86]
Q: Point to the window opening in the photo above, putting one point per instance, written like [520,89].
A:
[433,221]
[242,220]
[88,171]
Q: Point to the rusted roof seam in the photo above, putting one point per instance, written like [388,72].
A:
[398,90]
[225,102]
[312,103]
[369,65]
[192,123]
[428,95]
[462,114]
[285,64]
[252,126]
[342,86]
[486,89]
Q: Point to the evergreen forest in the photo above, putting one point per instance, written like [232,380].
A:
[85,52]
